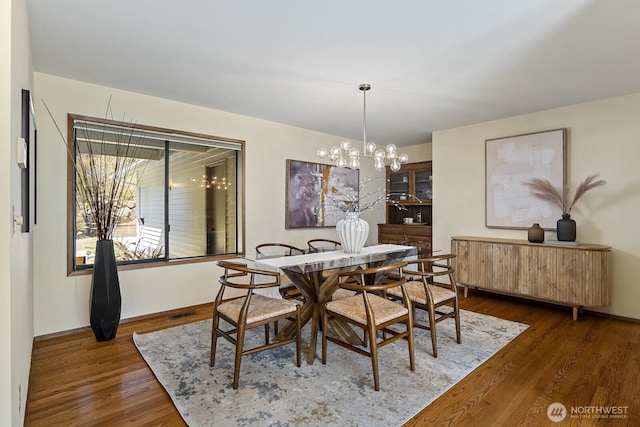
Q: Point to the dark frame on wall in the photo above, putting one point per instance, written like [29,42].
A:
[306,189]
[25,133]
[34,159]
[512,160]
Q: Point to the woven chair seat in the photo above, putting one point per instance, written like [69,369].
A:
[353,308]
[260,308]
[416,292]
[285,282]
[342,294]
[288,290]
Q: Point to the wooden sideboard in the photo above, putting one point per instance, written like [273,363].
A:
[578,275]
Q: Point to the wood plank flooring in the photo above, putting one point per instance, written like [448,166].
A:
[588,364]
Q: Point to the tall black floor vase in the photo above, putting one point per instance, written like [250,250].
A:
[105,292]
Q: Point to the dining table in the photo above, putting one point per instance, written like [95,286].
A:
[315,275]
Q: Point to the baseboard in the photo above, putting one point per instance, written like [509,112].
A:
[547,303]
[172,312]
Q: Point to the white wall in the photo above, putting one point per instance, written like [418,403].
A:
[61,302]
[6,132]
[417,153]
[16,283]
[603,137]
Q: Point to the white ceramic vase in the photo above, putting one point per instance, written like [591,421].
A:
[352,232]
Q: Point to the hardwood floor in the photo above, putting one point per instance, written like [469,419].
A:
[587,364]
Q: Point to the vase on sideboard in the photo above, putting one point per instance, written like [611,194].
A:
[535,233]
[566,229]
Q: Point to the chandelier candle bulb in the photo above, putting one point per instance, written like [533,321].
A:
[371,148]
[339,154]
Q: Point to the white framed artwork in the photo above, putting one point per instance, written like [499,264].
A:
[513,160]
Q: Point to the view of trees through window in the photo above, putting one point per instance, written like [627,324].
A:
[182,201]
[131,242]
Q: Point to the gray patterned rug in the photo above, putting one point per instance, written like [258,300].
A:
[274,392]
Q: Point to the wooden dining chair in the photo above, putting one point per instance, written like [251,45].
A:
[250,311]
[283,249]
[287,288]
[318,245]
[372,312]
[427,292]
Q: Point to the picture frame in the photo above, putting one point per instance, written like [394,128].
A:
[27,115]
[306,189]
[510,161]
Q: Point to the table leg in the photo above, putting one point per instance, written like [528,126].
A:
[313,340]
[289,330]
[317,290]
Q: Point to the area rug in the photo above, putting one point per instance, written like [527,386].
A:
[274,392]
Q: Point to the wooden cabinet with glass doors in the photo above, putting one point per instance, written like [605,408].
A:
[410,192]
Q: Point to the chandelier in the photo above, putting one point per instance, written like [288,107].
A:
[217,183]
[346,155]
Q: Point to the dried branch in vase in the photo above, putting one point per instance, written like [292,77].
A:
[107,170]
[544,190]
[360,200]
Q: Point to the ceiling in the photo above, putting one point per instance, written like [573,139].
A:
[432,64]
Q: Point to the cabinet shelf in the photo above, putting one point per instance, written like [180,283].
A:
[408,203]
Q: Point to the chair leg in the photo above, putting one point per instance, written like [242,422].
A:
[236,365]
[432,328]
[456,309]
[373,344]
[214,339]
[298,337]
[266,334]
[412,360]
[457,318]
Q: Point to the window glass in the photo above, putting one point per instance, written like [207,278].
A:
[181,200]
[202,201]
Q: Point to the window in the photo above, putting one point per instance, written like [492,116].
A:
[183,202]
